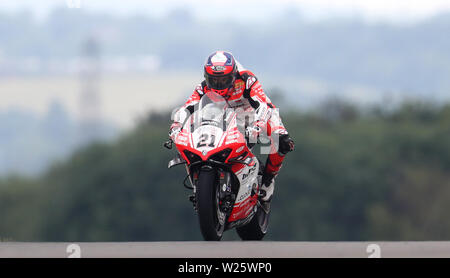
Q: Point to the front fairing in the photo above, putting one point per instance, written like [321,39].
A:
[212,128]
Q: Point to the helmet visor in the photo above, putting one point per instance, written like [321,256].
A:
[219,82]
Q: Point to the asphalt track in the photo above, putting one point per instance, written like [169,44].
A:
[225,249]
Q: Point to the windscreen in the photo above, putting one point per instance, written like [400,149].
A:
[211,110]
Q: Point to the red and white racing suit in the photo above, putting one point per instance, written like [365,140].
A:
[247,94]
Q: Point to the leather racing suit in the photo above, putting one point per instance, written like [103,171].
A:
[247,94]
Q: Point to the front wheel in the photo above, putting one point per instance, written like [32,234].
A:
[256,229]
[211,219]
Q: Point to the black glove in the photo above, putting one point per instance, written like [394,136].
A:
[286,144]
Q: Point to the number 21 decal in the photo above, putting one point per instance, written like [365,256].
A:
[204,138]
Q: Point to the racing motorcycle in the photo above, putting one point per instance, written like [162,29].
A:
[222,172]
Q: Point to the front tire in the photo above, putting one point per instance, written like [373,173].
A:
[211,219]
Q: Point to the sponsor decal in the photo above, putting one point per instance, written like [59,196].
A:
[244,176]
[243,209]
[239,86]
[218,68]
[242,198]
[232,138]
[182,143]
[182,140]
[238,91]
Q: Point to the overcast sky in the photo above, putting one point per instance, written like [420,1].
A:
[123,112]
[370,10]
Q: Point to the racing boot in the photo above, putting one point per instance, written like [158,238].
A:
[266,191]
[267,187]
[273,165]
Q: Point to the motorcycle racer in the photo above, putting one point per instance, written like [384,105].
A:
[241,89]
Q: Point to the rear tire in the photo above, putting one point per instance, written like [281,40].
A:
[256,229]
[206,195]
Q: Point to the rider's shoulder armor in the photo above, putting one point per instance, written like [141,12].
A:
[200,89]
[196,96]
[249,79]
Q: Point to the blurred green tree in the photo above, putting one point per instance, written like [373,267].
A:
[353,176]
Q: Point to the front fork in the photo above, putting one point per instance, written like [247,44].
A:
[193,178]
[226,194]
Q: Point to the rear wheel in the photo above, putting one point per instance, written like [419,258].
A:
[211,219]
[256,229]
